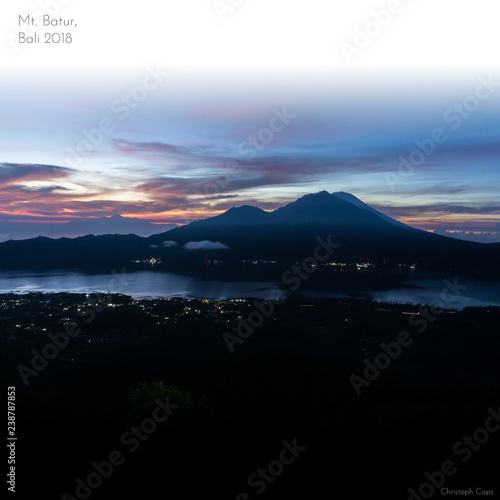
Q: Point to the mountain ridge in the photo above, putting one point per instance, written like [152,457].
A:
[286,235]
[311,208]
[114,224]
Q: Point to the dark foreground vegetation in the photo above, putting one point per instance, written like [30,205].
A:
[288,380]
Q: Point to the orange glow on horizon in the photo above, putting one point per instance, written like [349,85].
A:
[476,224]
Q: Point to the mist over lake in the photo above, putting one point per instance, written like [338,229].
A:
[430,291]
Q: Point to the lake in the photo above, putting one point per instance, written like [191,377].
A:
[434,291]
[136,284]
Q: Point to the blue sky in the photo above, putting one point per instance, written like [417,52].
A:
[424,149]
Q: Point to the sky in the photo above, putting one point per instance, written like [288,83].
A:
[426,153]
[212,125]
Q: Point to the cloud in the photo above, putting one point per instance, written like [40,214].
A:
[147,147]
[169,244]
[471,236]
[41,189]
[205,245]
[220,197]
[439,208]
[11,173]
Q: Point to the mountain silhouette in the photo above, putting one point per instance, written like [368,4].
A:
[286,235]
[290,232]
[358,203]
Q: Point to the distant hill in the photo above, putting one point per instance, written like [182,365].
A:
[115,224]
